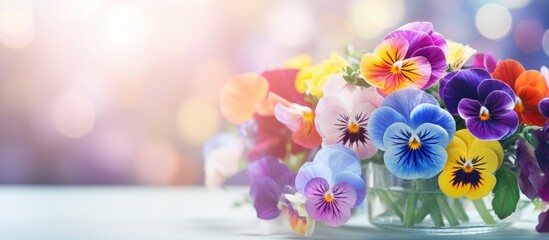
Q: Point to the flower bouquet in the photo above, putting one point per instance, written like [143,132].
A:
[443,141]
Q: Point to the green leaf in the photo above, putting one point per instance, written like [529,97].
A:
[506,192]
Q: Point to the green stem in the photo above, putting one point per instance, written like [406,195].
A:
[429,201]
[421,213]
[388,199]
[483,211]
[446,210]
[411,204]
[459,210]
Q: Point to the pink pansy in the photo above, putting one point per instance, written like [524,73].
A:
[300,120]
[342,115]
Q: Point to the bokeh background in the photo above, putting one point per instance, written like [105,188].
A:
[125,92]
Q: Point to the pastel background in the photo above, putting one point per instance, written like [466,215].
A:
[125,92]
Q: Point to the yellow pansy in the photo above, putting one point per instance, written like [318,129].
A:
[310,79]
[458,54]
[470,168]
[300,61]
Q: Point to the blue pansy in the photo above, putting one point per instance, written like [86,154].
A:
[413,131]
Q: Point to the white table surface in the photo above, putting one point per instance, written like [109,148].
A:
[157,213]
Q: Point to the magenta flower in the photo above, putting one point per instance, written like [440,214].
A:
[411,56]
[530,174]
[486,104]
[543,222]
[273,137]
[486,61]
[342,115]
[270,179]
[332,184]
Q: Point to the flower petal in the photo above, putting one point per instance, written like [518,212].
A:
[415,39]
[487,86]
[486,160]
[544,107]
[405,100]
[457,143]
[425,161]
[445,80]
[455,156]
[448,187]
[309,171]
[469,108]
[531,78]
[335,212]
[282,83]
[487,130]
[327,113]
[530,174]
[463,85]
[265,195]
[495,146]
[376,67]
[354,180]
[486,185]
[543,222]
[437,61]
[531,98]
[239,97]
[428,113]
[508,71]
[338,158]
[499,102]
[380,120]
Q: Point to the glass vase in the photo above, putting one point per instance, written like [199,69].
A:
[419,205]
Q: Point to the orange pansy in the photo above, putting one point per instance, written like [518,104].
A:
[529,86]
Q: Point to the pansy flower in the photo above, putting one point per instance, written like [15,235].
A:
[342,115]
[222,154]
[332,185]
[485,104]
[470,168]
[486,61]
[529,86]
[311,79]
[411,56]
[300,120]
[530,174]
[270,180]
[544,107]
[413,131]
[458,54]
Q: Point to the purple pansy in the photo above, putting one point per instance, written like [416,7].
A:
[427,43]
[543,222]
[332,184]
[544,107]
[270,179]
[486,104]
[485,61]
[530,174]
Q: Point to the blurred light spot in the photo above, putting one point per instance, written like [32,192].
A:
[528,35]
[157,163]
[73,114]
[224,70]
[371,17]
[16,23]
[15,16]
[515,3]
[245,8]
[198,119]
[290,23]
[493,21]
[127,27]
[545,42]
[79,9]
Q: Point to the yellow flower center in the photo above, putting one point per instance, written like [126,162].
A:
[309,116]
[328,197]
[518,106]
[484,114]
[353,128]
[414,143]
[468,167]
[397,66]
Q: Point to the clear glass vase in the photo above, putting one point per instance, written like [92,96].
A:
[419,205]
